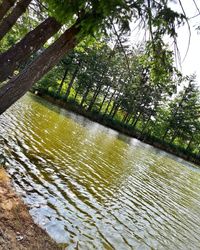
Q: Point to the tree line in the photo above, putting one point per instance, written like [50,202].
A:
[160,106]
[52,45]
[66,24]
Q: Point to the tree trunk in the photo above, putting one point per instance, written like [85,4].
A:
[188,146]
[13,57]
[8,22]
[136,121]
[116,109]
[5,6]
[114,104]
[146,124]
[19,85]
[105,96]
[173,137]
[107,107]
[124,118]
[72,81]
[94,98]
[85,96]
[77,91]
[128,118]
[165,134]
[62,82]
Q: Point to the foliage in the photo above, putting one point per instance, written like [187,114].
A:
[140,100]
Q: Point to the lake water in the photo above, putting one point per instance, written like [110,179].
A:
[93,188]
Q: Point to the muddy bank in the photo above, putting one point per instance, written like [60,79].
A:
[17,229]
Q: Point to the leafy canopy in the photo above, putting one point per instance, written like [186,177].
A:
[98,15]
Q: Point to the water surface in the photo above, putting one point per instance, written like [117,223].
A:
[93,188]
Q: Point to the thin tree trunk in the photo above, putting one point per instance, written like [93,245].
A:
[128,119]
[19,85]
[71,81]
[85,96]
[94,98]
[124,118]
[114,105]
[13,57]
[8,22]
[76,93]
[188,146]
[105,96]
[5,6]
[107,107]
[134,117]
[116,109]
[146,124]
[136,121]
[62,82]
[173,137]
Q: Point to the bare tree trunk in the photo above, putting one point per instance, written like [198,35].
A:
[5,6]
[146,125]
[19,85]
[105,96]
[13,57]
[8,22]
[124,118]
[72,81]
[114,104]
[116,109]
[136,121]
[94,97]
[85,95]
[107,107]
[77,92]
[128,119]
[63,80]
[173,137]
[188,146]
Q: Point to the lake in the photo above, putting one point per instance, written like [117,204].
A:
[91,187]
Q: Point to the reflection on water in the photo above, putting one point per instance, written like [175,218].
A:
[91,187]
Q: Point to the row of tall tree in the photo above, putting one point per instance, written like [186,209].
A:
[143,95]
[56,27]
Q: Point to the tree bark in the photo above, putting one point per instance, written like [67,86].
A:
[114,104]
[62,82]
[124,118]
[190,141]
[19,85]
[136,121]
[146,125]
[5,6]
[116,109]
[104,98]
[94,97]
[8,22]
[107,107]
[72,81]
[13,57]
[85,95]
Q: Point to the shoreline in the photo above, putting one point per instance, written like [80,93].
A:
[18,231]
[108,123]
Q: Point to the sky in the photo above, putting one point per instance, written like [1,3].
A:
[191,64]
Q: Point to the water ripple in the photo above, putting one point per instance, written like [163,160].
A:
[89,186]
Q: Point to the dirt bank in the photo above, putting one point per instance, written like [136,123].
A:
[17,229]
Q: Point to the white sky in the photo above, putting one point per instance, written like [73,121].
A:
[191,64]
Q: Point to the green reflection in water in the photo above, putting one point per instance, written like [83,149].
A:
[89,185]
